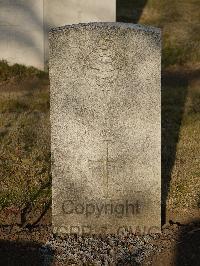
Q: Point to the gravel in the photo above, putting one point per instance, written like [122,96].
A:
[96,250]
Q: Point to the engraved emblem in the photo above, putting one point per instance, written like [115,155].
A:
[102,64]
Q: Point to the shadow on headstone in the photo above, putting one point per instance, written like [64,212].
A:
[24,253]
[129,11]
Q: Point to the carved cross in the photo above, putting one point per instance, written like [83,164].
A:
[105,163]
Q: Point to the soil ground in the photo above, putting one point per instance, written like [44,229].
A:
[177,245]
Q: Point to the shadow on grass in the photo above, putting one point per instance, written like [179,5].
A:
[174,91]
[129,11]
[187,247]
[24,253]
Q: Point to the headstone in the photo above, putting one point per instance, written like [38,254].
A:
[105,128]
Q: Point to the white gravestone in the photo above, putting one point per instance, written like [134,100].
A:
[105,128]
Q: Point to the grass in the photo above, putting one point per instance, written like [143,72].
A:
[24,142]
[180,24]
[25,156]
[185,184]
[18,71]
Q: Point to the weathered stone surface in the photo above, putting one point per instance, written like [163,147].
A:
[105,128]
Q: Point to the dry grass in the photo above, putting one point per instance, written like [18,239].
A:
[18,71]
[24,144]
[185,184]
[180,24]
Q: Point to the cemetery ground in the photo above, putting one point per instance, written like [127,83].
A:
[25,198]
[25,168]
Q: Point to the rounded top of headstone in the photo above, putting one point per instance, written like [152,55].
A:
[106,25]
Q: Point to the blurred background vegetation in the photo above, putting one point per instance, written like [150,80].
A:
[25,128]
